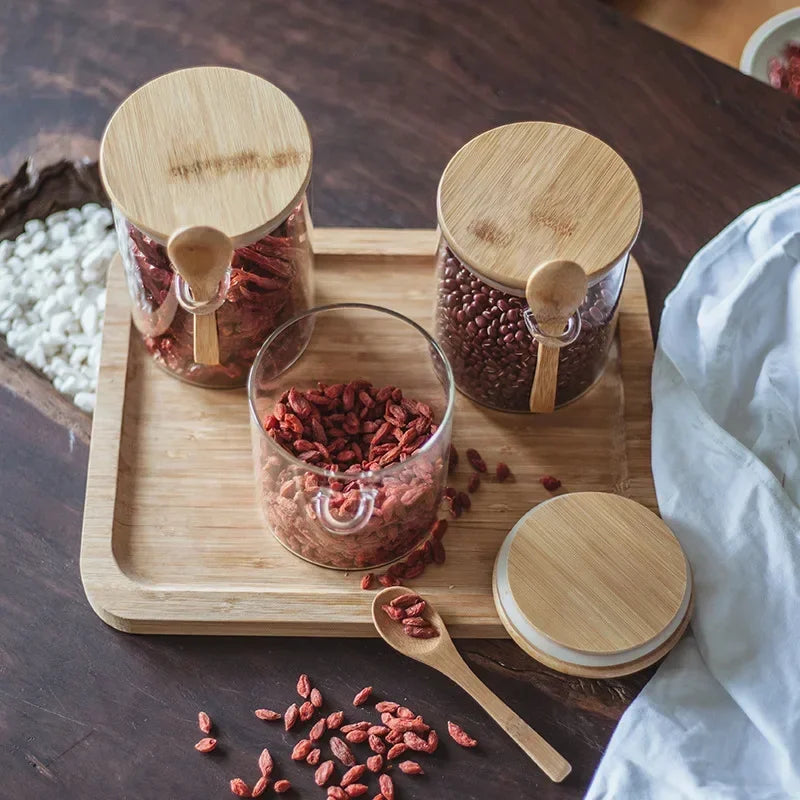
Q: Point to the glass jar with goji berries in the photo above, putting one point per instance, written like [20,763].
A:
[207,170]
[351,408]
[537,222]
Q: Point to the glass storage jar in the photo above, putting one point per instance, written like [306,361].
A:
[219,150]
[351,408]
[510,202]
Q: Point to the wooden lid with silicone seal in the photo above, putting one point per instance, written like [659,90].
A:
[593,584]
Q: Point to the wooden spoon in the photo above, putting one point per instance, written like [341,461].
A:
[441,654]
[554,291]
[201,255]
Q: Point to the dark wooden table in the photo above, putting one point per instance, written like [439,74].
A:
[390,90]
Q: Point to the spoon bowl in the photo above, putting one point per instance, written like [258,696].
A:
[440,653]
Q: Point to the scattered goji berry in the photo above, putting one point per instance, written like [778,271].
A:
[367,580]
[240,788]
[410,768]
[362,696]
[265,763]
[290,716]
[204,722]
[502,471]
[206,745]
[267,714]
[282,786]
[459,735]
[550,483]
[474,458]
[352,775]
[316,698]
[323,773]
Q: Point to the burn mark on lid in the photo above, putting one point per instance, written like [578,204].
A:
[490,232]
[555,222]
[246,160]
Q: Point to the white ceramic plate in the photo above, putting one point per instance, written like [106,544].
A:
[768,42]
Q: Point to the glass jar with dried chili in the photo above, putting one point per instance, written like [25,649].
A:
[207,170]
[537,222]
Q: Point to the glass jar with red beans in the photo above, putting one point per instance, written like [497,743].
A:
[216,155]
[537,221]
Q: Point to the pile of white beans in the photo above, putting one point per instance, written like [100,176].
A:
[52,296]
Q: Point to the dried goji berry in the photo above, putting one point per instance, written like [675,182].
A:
[387,786]
[404,600]
[396,750]
[353,774]
[376,744]
[206,745]
[356,790]
[302,749]
[337,793]
[416,610]
[240,788]
[452,457]
[366,581]
[323,773]
[386,706]
[388,580]
[260,787]
[314,756]
[375,763]
[317,730]
[282,786]
[204,722]
[362,696]
[267,714]
[265,762]
[377,730]
[550,483]
[306,711]
[463,499]
[355,726]
[405,713]
[290,716]
[459,736]
[410,768]
[474,458]
[303,686]
[474,482]
[334,720]
[342,751]
[316,698]
[356,737]
[502,471]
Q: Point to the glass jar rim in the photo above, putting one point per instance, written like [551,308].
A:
[362,474]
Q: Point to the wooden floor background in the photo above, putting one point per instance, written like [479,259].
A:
[719,28]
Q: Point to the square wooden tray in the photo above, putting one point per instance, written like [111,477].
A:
[172,540]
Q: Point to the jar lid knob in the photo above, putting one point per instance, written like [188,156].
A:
[554,292]
[202,255]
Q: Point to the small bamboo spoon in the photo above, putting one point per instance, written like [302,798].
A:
[441,654]
[554,291]
[201,255]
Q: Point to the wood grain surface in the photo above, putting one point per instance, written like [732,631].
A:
[168,548]
[390,91]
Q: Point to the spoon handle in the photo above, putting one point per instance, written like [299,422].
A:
[206,339]
[549,760]
[543,392]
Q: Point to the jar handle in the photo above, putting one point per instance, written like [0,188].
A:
[339,527]
[554,291]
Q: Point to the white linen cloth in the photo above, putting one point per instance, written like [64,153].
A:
[721,717]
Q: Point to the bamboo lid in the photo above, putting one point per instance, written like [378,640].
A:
[530,192]
[593,584]
[208,146]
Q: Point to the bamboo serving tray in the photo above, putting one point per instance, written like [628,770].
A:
[172,539]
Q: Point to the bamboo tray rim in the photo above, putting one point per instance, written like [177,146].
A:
[129,604]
